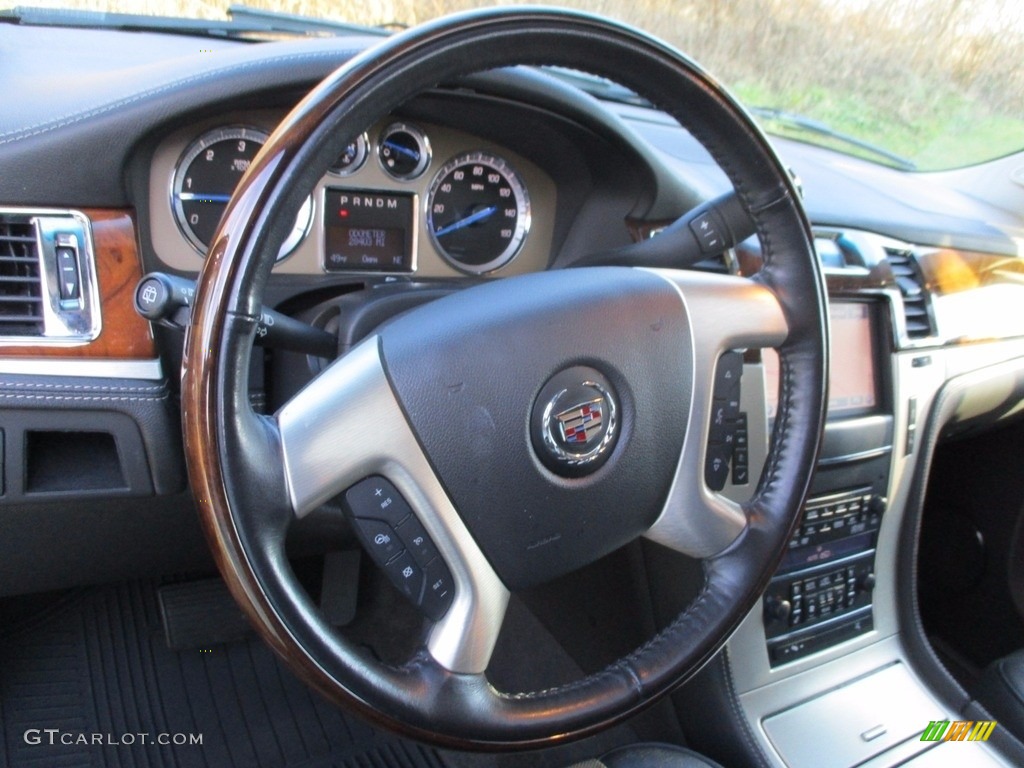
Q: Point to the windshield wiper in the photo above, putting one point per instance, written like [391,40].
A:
[245,23]
[810,125]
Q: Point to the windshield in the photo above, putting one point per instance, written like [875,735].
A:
[916,84]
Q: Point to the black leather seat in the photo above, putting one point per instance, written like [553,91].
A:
[650,756]
[1001,692]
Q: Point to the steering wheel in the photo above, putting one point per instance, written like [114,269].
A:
[521,428]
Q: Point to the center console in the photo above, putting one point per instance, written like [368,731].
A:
[821,594]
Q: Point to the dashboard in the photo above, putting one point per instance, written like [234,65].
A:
[497,175]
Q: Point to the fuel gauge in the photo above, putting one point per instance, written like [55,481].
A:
[404,151]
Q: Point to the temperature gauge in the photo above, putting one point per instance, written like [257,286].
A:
[352,157]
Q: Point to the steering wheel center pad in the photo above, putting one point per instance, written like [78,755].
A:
[468,369]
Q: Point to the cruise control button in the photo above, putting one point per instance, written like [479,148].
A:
[377,498]
[379,538]
[439,591]
[414,537]
[407,576]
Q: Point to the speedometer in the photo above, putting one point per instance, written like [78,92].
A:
[478,212]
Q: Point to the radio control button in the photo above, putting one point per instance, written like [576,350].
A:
[716,468]
[728,374]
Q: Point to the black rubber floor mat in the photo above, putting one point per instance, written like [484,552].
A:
[93,684]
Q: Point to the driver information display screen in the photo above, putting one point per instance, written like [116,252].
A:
[367,231]
[853,386]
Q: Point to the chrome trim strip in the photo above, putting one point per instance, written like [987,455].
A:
[345,425]
[834,621]
[873,453]
[149,370]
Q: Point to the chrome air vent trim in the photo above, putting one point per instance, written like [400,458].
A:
[48,286]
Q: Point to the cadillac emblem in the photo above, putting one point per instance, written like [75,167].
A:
[582,423]
[578,425]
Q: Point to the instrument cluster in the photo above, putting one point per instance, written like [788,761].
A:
[402,199]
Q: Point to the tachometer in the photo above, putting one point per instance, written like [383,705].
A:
[208,173]
[478,212]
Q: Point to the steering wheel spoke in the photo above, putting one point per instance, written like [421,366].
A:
[345,426]
[726,314]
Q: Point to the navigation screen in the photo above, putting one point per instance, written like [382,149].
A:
[852,369]
[852,385]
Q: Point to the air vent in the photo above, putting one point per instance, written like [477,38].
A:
[48,292]
[21,291]
[915,298]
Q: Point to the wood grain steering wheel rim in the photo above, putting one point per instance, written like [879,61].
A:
[251,475]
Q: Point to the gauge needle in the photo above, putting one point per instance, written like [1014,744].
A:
[473,218]
[410,153]
[190,196]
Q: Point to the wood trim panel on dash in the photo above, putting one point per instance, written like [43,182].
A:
[124,334]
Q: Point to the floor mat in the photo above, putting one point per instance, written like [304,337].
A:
[92,684]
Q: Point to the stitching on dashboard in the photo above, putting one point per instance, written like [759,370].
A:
[76,117]
[79,387]
[82,398]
